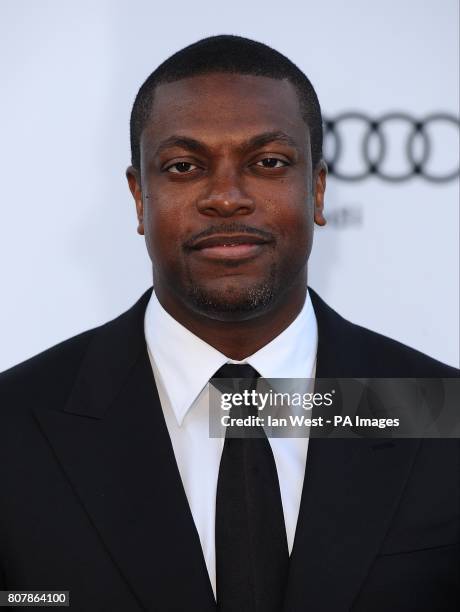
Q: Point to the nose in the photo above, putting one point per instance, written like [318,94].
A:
[225,197]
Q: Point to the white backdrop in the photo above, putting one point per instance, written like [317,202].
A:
[69,253]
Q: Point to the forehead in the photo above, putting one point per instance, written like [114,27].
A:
[224,106]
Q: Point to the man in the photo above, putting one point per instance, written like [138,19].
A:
[111,485]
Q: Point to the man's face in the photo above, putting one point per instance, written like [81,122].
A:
[226,194]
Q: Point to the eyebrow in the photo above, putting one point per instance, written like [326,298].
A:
[183,142]
[254,142]
[261,140]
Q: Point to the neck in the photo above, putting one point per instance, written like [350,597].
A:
[239,339]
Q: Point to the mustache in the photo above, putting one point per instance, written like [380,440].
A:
[229,228]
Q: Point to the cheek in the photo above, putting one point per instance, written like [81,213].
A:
[293,217]
[299,236]
[288,201]
[294,222]
[164,223]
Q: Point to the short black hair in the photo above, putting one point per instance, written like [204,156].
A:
[233,55]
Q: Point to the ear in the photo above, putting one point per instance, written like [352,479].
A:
[134,182]
[319,183]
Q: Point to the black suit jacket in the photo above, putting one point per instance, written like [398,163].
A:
[91,499]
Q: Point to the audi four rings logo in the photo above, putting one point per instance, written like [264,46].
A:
[395,146]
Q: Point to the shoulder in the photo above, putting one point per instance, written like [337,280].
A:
[389,355]
[360,352]
[51,372]
[44,381]
[48,377]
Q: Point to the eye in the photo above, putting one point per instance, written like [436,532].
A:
[271,162]
[181,167]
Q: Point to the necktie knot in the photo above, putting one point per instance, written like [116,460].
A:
[237,370]
[237,378]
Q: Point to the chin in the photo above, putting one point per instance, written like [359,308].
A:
[233,303]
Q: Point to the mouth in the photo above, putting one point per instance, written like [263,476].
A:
[230,246]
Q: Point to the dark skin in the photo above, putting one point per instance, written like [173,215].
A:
[227,198]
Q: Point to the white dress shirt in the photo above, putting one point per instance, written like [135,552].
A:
[182,365]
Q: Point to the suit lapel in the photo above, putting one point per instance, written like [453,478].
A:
[350,492]
[114,447]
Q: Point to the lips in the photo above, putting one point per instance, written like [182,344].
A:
[227,240]
[230,246]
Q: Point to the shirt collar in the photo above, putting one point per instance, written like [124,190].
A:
[186,363]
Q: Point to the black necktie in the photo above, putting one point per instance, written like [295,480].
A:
[252,557]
